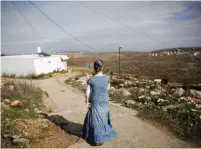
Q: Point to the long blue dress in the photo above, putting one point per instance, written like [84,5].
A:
[97,124]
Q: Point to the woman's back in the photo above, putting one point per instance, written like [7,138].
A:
[99,89]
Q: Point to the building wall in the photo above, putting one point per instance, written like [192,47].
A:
[17,66]
[31,65]
[48,64]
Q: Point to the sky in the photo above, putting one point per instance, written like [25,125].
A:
[167,24]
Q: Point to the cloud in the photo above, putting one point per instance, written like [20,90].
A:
[174,23]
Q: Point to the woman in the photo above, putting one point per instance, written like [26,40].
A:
[97,125]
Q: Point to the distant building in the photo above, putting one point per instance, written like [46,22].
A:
[33,64]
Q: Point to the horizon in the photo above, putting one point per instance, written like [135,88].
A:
[174,24]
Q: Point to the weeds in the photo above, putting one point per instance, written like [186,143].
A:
[30,96]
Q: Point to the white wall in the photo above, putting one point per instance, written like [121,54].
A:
[17,66]
[48,64]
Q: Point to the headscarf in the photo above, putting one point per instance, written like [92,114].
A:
[98,65]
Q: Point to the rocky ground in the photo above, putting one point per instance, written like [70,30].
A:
[24,123]
[175,107]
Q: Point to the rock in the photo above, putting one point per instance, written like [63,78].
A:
[158,80]
[27,110]
[112,88]
[141,97]
[153,93]
[194,110]
[189,98]
[147,87]
[126,93]
[121,85]
[173,106]
[20,141]
[7,101]
[130,102]
[195,93]
[7,135]
[179,92]
[160,100]
[11,87]
[141,90]
[4,106]
[173,89]
[148,98]
[16,103]
[198,106]
[125,83]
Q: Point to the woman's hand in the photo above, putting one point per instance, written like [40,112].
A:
[88,104]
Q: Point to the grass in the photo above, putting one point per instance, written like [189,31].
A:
[34,76]
[30,96]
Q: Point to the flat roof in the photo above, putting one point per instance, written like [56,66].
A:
[33,56]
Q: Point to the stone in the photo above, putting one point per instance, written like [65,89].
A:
[27,110]
[173,106]
[160,100]
[179,92]
[195,93]
[126,93]
[130,102]
[141,97]
[16,103]
[194,110]
[4,106]
[20,141]
[11,87]
[158,80]
[141,90]
[7,101]
[198,106]
[121,85]
[147,87]
[153,93]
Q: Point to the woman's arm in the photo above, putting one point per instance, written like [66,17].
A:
[87,96]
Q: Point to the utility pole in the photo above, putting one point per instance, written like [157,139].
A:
[119,59]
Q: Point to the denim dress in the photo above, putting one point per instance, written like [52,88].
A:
[97,124]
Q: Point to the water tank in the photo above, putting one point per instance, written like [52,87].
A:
[38,49]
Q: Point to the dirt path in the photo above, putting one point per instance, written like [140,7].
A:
[132,132]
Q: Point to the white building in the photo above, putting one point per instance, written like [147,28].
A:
[33,64]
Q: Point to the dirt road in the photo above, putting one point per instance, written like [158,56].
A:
[132,132]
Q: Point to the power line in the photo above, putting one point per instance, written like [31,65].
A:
[110,18]
[27,21]
[61,27]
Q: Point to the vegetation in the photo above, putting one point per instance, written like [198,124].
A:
[34,76]
[31,102]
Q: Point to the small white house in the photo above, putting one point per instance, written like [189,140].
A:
[33,64]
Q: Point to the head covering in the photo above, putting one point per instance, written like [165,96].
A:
[98,64]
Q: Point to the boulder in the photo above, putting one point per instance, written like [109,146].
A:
[173,106]
[130,102]
[179,92]
[195,93]
[16,103]
[20,141]
[198,106]
[126,93]
[11,87]
[160,100]
[121,85]
[4,106]
[7,101]
[153,93]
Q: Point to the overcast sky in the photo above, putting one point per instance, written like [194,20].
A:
[174,24]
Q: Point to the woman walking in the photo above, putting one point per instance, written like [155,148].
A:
[97,124]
